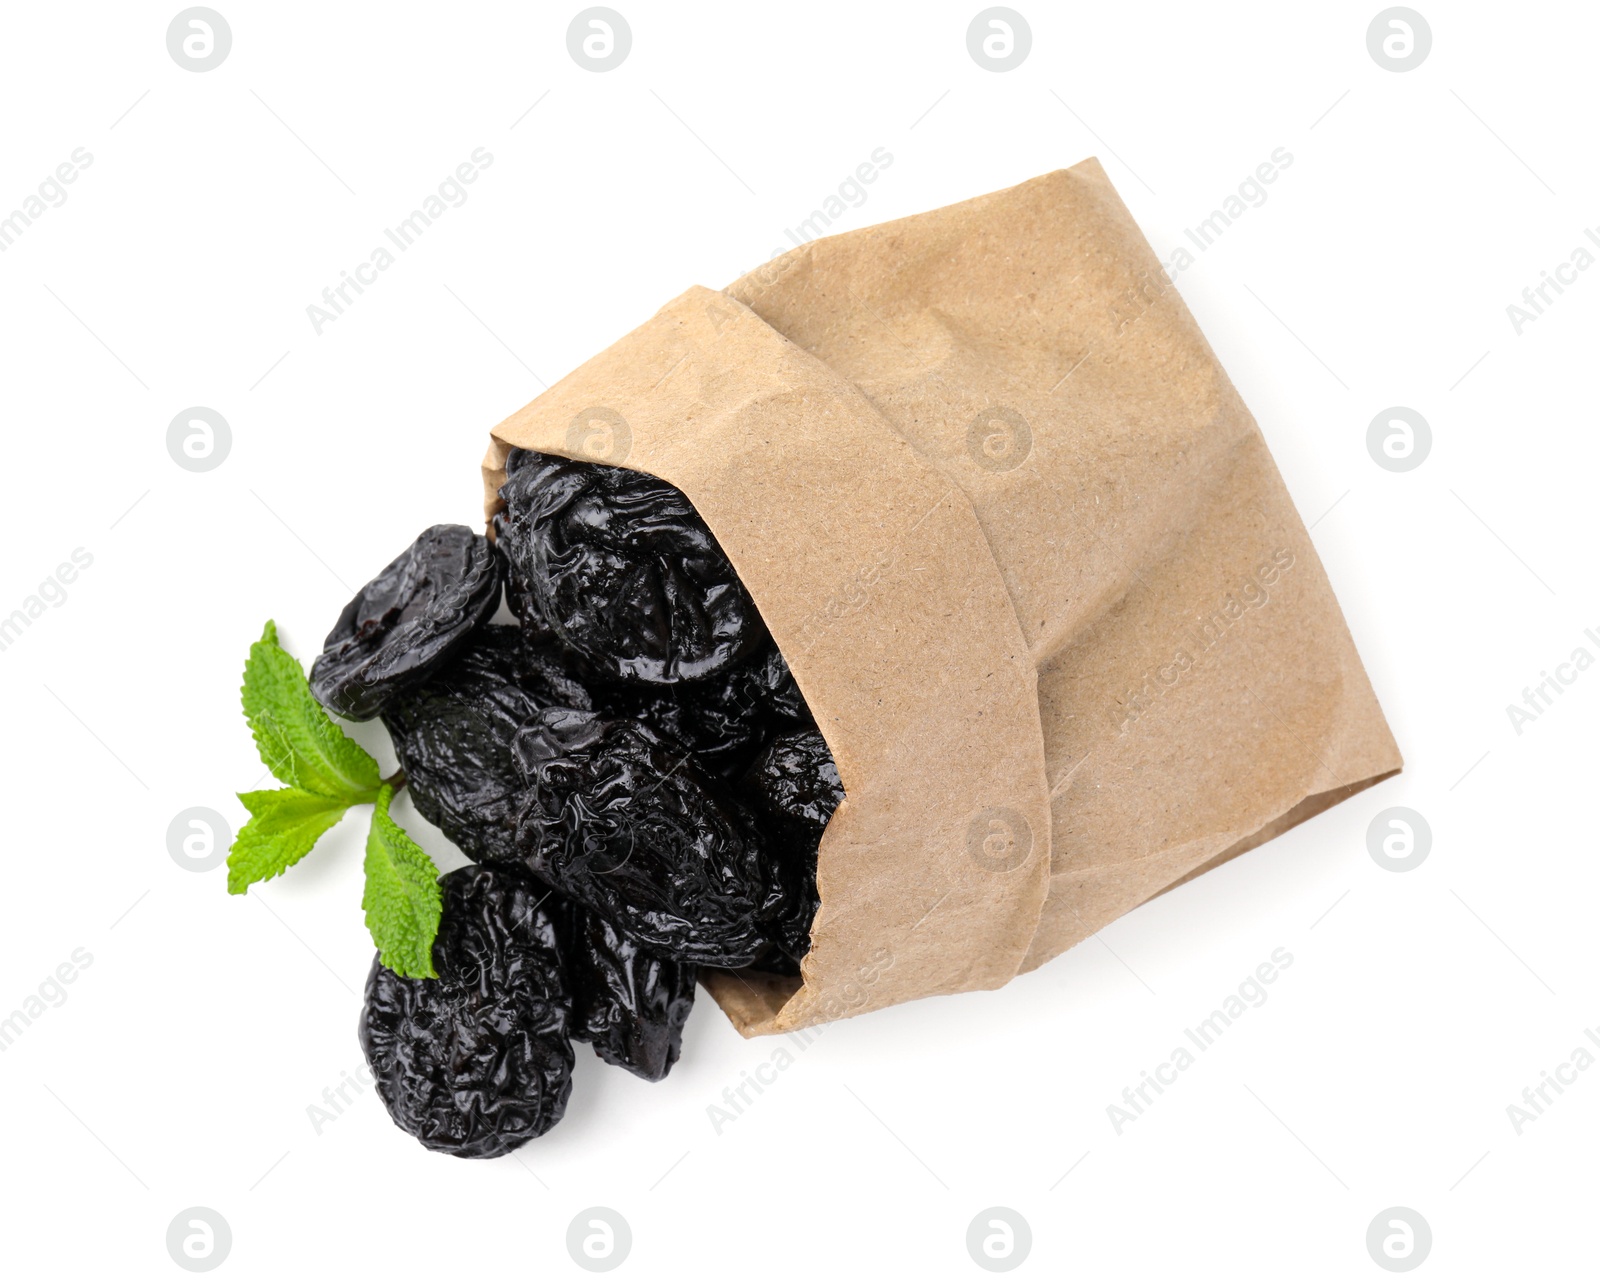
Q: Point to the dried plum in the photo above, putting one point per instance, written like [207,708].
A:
[630,1003]
[642,837]
[453,736]
[723,720]
[767,680]
[477,1061]
[793,788]
[619,566]
[404,624]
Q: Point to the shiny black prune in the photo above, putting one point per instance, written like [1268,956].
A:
[453,736]
[767,680]
[619,566]
[793,788]
[404,624]
[642,837]
[630,1003]
[722,720]
[476,1061]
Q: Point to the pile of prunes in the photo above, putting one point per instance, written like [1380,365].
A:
[631,769]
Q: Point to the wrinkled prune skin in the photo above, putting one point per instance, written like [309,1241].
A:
[404,624]
[767,680]
[681,719]
[793,788]
[620,567]
[476,1061]
[453,736]
[722,720]
[643,838]
[630,1003]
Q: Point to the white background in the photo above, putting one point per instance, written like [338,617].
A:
[180,1068]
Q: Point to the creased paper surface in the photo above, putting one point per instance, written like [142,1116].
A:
[1029,559]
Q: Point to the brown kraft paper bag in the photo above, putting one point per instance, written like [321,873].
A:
[1029,560]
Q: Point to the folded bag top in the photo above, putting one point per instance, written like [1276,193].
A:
[1029,560]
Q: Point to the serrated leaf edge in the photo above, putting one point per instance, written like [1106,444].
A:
[273,746]
[383,824]
[337,807]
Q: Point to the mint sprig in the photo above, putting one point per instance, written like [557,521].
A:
[326,773]
[402,898]
[283,827]
[296,739]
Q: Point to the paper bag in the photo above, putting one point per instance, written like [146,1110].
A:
[1029,560]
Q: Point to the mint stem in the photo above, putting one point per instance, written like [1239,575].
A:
[397,780]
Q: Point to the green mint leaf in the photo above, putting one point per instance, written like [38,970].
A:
[402,898]
[282,828]
[297,740]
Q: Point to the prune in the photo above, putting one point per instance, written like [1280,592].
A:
[767,680]
[477,1061]
[620,567]
[723,720]
[453,736]
[404,624]
[646,840]
[793,787]
[630,1003]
